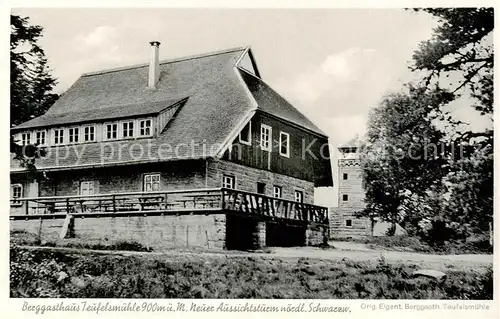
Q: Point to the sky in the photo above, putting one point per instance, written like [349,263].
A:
[332,64]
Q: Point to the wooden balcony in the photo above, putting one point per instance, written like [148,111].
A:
[166,202]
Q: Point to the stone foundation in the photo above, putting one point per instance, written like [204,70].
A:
[161,232]
[155,231]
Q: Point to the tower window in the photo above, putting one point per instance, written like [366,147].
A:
[345,197]
[345,176]
[348,222]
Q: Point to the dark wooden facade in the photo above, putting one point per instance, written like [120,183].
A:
[309,157]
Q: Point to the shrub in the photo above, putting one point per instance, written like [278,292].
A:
[36,273]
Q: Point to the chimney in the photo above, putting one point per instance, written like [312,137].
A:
[154,64]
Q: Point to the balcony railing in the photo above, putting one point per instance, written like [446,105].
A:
[210,199]
[258,204]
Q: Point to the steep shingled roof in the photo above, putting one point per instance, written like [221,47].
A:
[271,102]
[217,102]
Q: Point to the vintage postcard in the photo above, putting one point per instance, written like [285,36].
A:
[286,161]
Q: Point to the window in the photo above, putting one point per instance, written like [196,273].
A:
[26,138]
[128,129]
[16,191]
[145,128]
[299,196]
[284,144]
[345,198]
[89,133]
[265,137]
[277,191]
[345,176]
[228,181]
[151,182]
[74,134]
[261,188]
[246,134]
[58,136]
[40,138]
[111,131]
[348,222]
[87,188]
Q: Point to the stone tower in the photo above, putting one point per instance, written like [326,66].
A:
[351,194]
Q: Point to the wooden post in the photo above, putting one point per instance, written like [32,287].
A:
[27,204]
[223,199]
[67,205]
[114,204]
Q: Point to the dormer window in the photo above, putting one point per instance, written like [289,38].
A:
[89,133]
[145,128]
[128,129]
[26,138]
[111,131]
[40,137]
[58,136]
[74,134]
[246,134]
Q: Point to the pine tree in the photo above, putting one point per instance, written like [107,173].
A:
[31,82]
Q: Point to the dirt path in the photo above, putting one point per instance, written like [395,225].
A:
[350,251]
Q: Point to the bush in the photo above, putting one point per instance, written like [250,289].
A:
[415,244]
[37,273]
[411,243]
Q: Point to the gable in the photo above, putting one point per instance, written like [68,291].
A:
[271,102]
[307,158]
[247,63]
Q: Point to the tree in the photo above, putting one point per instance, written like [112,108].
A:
[471,194]
[405,157]
[462,45]
[31,83]
[460,48]
[457,63]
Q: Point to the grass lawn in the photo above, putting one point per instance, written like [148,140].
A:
[42,273]
[415,244]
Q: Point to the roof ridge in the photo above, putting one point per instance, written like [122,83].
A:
[166,61]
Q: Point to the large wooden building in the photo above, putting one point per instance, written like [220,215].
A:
[195,151]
